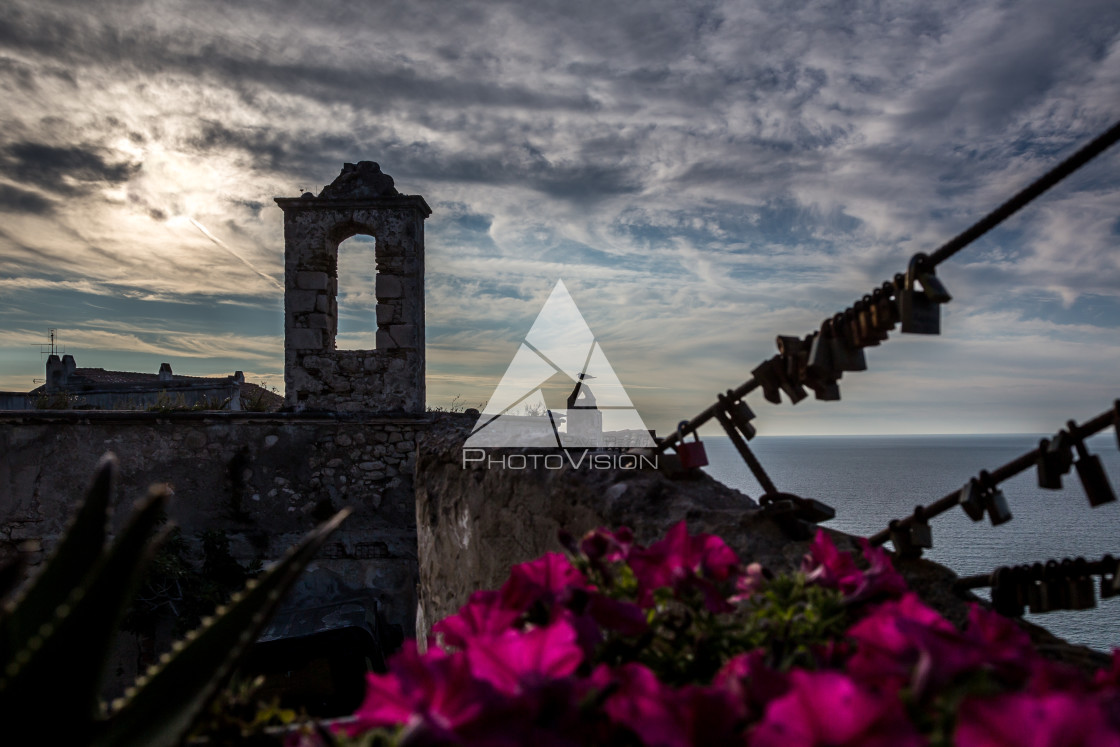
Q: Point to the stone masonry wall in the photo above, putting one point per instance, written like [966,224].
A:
[319,376]
[264,480]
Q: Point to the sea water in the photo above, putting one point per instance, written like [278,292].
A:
[870,480]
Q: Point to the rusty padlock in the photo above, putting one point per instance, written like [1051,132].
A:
[875,327]
[867,332]
[852,336]
[740,414]
[766,374]
[1091,472]
[1005,592]
[972,499]
[820,364]
[920,533]
[887,306]
[791,368]
[1038,593]
[900,538]
[690,454]
[920,310]
[1083,595]
[845,356]
[1049,468]
[994,501]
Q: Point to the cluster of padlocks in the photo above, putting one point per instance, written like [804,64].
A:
[912,302]
[981,495]
[1049,586]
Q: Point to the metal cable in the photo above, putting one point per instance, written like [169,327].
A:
[954,245]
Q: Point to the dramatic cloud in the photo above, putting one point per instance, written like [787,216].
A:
[703,175]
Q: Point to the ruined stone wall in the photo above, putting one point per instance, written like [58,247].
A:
[263,479]
[317,375]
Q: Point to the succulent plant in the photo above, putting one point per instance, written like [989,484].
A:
[56,631]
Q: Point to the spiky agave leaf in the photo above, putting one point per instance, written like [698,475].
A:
[54,680]
[164,703]
[76,553]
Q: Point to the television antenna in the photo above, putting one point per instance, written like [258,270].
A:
[50,347]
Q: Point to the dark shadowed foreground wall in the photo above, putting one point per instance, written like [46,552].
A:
[263,480]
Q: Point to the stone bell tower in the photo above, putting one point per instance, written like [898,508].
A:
[317,375]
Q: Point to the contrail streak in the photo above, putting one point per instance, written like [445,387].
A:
[223,245]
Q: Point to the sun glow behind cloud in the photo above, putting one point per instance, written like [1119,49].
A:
[702,177]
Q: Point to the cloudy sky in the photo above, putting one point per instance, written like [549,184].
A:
[702,176]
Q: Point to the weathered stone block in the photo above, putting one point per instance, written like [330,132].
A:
[302,300]
[385,341]
[318,321]
[305,339]
[404,335]
[388,286]
[311,280]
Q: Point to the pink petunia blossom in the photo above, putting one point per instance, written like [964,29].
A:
[830,708]
[753,580]
[1034,720]
[662,716]
[681,563]
[483,614]
[549,579]
[880,579]
[435,689]
[1006,647]
[603,545]
[832,569]
[890,640]
[752,682]
[513,658]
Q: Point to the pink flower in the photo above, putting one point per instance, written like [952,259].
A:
[892,638]
[754,579]
[511,659]
[1006,648]
[484,614]
[549,579]
[829,708]
[751,681]
[682,562]
[829,567]
[1033,720]
[435,690]
[880,579]
[602,545]
[832,569]
[664,717]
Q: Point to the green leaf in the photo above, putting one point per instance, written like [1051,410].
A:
[162,706]
[55,679]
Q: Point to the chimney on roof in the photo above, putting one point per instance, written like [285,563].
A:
[165,372]
[69,364]
[56,373]
[239,377]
